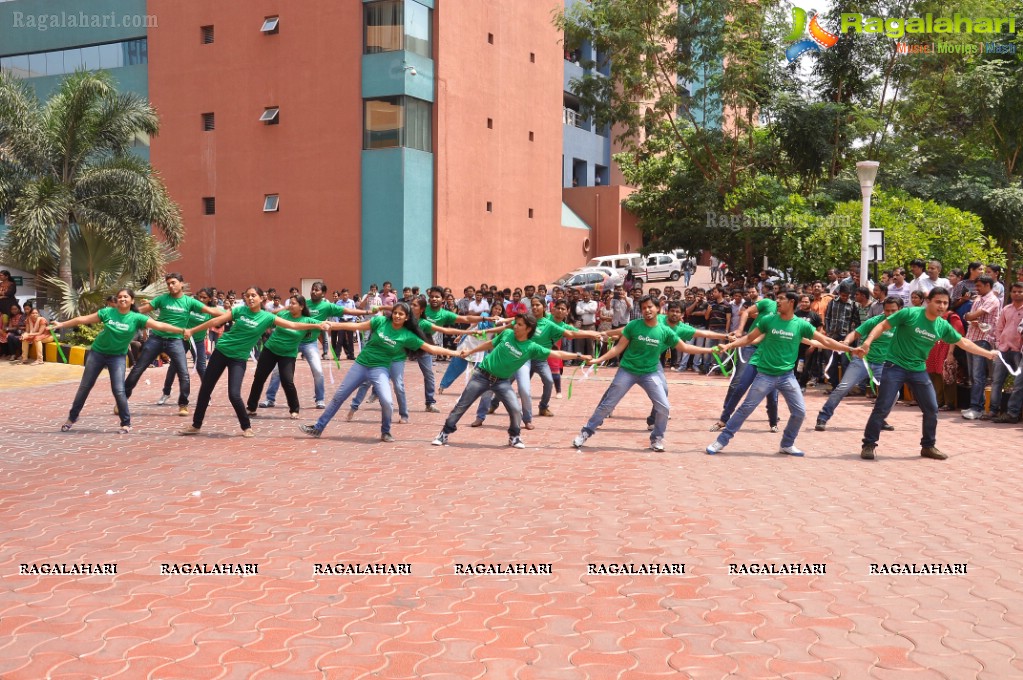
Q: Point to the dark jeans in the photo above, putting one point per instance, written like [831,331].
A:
[343,342]
[740,385]
[198,356]
[541,367]
[479,384]
[94,365]
[891,384]
[155,346]
[264,367]
[235,374]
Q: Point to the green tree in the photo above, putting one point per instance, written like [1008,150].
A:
[67,164]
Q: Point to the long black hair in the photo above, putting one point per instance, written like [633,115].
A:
[300,299]
[411,325]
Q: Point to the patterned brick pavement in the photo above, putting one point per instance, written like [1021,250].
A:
[287,503]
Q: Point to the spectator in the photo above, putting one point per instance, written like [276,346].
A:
[8,291]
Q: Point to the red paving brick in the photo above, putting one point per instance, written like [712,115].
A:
[287,502]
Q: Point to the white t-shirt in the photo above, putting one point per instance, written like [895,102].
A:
[587,312]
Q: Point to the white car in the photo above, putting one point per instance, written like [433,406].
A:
[661,266]
[593,279]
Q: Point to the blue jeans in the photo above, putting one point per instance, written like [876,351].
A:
[425,362]
[357,375]
[998,381]
[155,346]
[747,372]
[652,384]
[311,352]
[483,383]
[396,373]
[688,275]
[198,356]
[94,365]
[541,367]
[852,377]
[763,385]
[978,374]
[456,367]
[701,361]
[652,418]
[521,379]
[891,385]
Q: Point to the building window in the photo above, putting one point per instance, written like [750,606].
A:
[398,121]
[271,115]
[530,213]
[490,38]
[530,135]
[393,25]
[207,34]
[532,57]
[271,202]
[209,205]
[490,206]
[92,58]
[271,25]
[208,122]
[490,123]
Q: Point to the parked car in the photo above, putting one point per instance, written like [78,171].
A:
[593,279]
[621,262]
[661,266]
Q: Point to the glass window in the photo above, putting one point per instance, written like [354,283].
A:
[270,25]
[36,65]
[384,26]
[110,56]
[72,60]
[90,58]
[54,63]
[271,202]
[383,124]
[136,52]
[418,29]
[419,124]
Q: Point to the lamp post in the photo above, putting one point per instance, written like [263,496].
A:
[866,171]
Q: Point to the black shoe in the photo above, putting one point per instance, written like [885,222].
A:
[1006,418]
[887,428]
[932,453]
[867,453]
[310,430]
[821,425]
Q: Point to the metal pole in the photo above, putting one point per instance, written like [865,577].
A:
[865,231]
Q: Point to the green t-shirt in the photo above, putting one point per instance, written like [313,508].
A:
[684,331]
[777,352]
[441,317]
[118,331]
[283,341]
[549,331]
[387,344]
[175,311]
[766,306]
[197,317]
[646,344]
[879,348]
[245,332]
[509,355]
[915,335]
[320,312]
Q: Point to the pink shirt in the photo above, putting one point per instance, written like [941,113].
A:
[989,305]
[1007,333]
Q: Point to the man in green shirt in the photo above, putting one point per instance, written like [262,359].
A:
[175,309]
[643,342]
[917,329]
[857,370]
[774,360]
[445,318]
[512,349]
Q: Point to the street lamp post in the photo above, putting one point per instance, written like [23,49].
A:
[866,171]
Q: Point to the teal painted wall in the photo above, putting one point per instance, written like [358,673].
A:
[383,75]
[397,217]
[17,36]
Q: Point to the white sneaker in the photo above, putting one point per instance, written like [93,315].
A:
[649,427]
[717,427]
[714,447]
[516,442]
[774,428]
[580,439]
[320,405]
[441,440]
[970,414]
[791,451]
[657,444]
[163,399]
[558,395]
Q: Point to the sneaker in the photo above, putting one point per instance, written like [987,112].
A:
[191,429]
[714,447]
[932,453]
[403,420]
[441,440]
[252,414]
[717,427]
[294,415]
[774,428]
[580,439]
[970,414]
[529,425]
[1006,418]
[516,442]
[476,423]
[791,451]
[657,444]
[162,400]
[310,430]
[386,437]
[248,434]
[867,452]
[266,403]
[821,425]
[649,427]
[182,411]
[887,428]
[432,408]
[986,416]
[320,405]
[558,395]
[546,412]
[351,415]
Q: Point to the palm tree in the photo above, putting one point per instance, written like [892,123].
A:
[68,163]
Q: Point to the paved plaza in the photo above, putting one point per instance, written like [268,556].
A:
[155,505]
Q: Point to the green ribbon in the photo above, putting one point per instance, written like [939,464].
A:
[57,343]
[724,371]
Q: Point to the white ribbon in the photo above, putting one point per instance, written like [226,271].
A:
[741,358]
[587,371]
[830,359]
[869,372]
[1013,371]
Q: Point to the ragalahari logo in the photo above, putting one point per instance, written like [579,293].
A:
[819,38]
